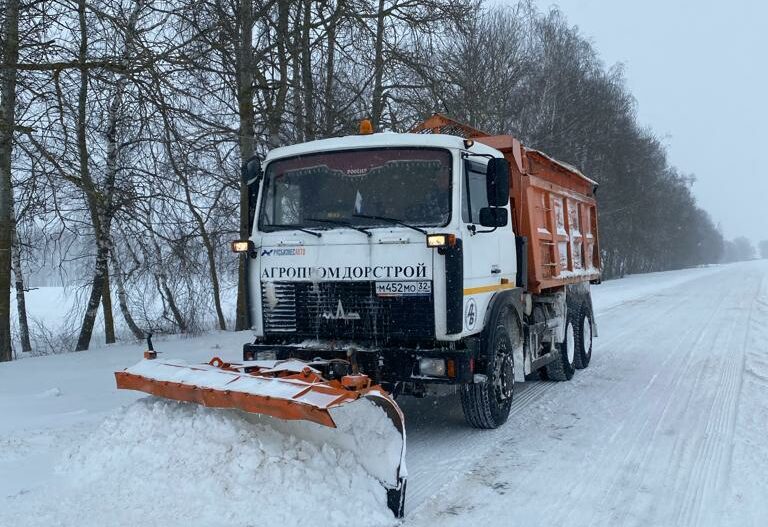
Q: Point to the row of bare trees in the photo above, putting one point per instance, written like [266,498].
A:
[534,76]
[124,123]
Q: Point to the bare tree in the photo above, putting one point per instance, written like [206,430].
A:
[10,56]
[133,123]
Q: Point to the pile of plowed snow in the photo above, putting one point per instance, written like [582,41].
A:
[165,463]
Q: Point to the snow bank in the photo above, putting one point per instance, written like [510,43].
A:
[362,428]
[362,425]
[164,463]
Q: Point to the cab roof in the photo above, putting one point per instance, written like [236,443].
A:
[386,139]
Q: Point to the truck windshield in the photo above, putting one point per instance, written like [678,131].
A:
[410,184]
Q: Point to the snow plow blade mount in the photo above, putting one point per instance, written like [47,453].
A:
[289,390]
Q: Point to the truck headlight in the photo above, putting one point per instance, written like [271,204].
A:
[439,241]
[243,246]
[432,367]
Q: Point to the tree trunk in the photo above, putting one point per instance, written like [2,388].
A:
[329,74]
[275,115]
[122,298]
[106,307]
[245,78]
[97,286]
[299,109]
[377,103]
[21,302]
[113,123]
[94,300]
[306,74]
[113,151]
[10,53]
[110,176]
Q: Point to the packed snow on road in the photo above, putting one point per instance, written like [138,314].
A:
[667,426]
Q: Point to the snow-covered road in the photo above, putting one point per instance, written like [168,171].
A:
[668,425]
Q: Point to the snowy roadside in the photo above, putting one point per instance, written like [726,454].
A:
[635,288]
[50,404]
[55,314]
[97,456]
[72,443]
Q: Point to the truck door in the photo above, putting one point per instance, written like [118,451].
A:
[489,257]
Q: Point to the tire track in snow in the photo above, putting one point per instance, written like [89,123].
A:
[713,462]
[621,456]
[627,481]
[649,318]
[698,452]
[690,378]
[709,447]
[607,351]
[643,437]
[432,447]
[746,487]
[428,475]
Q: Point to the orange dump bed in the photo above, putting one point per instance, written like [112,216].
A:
[553,206]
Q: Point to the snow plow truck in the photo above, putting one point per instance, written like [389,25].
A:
[383,264]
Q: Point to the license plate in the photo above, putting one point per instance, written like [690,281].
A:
[423,287]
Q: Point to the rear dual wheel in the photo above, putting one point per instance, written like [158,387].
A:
[583,333]
[575,351]
[487,404]
[562,368]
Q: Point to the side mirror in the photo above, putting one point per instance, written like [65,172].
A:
[251,170]
[497,181]
[493,217]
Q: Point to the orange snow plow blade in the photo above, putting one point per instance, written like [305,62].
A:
[289,390]
[286,394]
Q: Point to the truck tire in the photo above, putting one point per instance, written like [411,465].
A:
[583,333]
[562,368]
[487,404]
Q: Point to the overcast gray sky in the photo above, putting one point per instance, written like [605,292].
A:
[699,71]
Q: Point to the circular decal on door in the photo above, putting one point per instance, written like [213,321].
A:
[470,314]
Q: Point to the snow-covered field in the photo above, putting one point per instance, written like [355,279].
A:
[55,314]
[668,426]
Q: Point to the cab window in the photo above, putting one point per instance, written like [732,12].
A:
[475,195]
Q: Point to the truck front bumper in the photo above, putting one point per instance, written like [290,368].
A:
[383,365]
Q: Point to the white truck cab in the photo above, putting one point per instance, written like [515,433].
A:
[394,253]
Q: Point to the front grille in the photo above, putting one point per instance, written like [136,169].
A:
[345,311]
[279,301]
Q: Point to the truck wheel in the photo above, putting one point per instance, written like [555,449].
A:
[583,332]
[487,404]
[562,368]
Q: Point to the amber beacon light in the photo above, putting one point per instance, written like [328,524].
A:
[366,127]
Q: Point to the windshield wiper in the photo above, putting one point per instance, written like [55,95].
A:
[391,220]
[341,223]
[286,227]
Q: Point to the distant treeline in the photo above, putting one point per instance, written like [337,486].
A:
[123,125]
